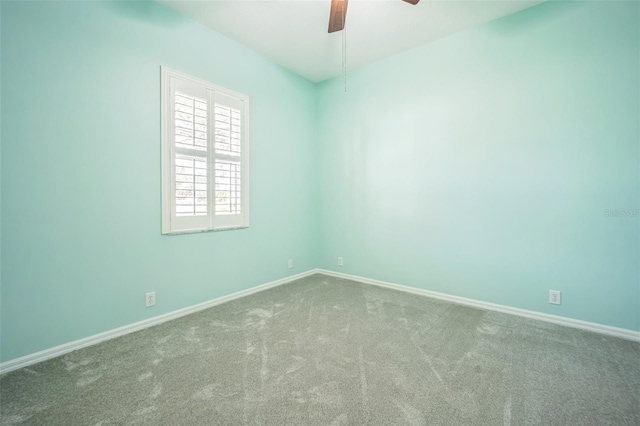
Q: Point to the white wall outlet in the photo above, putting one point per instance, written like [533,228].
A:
[290,264]
[150,299]
[554,297]
[340,261]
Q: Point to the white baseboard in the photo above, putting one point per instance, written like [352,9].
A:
[569,322]
[56,351]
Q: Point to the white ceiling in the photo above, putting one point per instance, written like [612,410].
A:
[293,33]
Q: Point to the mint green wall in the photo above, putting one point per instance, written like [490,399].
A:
[81,239]
[481,165]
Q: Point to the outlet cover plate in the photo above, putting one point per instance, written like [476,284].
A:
[554,297]
[150,299]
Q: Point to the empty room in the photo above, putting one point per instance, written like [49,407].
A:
[320,212]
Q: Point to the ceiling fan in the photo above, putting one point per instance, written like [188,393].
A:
[338,14]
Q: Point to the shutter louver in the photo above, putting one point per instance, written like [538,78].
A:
[228,187]
[228,178]
[191,122]
[191,186]
[228,125]
[191,162]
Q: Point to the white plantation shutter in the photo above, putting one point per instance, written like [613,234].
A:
[205,156]
[228,158]
[191,186]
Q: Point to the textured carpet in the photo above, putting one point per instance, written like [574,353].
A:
[325,351]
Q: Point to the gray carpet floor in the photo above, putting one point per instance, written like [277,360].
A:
[325,351]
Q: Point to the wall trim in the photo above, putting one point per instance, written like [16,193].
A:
[555,319]
[65,348]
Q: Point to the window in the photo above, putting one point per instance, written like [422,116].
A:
[205,167]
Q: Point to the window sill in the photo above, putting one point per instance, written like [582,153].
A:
[198,231]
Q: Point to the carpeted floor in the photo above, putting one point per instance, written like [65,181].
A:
[325,351]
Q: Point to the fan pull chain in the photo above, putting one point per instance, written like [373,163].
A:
[344,51]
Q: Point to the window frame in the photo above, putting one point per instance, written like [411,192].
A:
[171,223]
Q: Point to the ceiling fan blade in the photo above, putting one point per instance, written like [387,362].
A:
[338,15]
[413,2]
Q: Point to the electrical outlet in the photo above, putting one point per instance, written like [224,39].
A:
[340,261]
[554,297]
[290,263]
[150,299]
